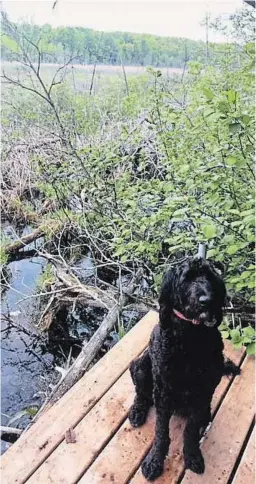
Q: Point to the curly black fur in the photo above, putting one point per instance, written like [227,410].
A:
[184,362]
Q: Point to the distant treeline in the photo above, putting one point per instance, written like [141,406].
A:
[114,48]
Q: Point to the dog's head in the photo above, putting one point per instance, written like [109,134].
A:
[196,290]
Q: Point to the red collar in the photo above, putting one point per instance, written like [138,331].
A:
[181,316]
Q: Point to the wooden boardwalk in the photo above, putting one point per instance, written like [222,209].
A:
[109,450]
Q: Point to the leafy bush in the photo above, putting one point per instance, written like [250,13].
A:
[146,175]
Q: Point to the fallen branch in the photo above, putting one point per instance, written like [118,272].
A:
[73,291]
[10,430]
[23,241]
[90,349]
[73,284]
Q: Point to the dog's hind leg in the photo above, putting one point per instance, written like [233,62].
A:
[192,454]
[141,373]
[230,369]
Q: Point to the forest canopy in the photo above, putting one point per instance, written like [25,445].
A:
[88,46]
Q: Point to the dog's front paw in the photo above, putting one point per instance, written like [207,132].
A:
[137,415]
[151,467]
[194,462]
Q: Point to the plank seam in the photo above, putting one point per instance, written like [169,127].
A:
[240,455]
[100,450]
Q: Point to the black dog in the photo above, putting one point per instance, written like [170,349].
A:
[184,363]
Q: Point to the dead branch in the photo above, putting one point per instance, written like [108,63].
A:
[92,80]
[91,348]
[73,291]
[10,430]
[25,240]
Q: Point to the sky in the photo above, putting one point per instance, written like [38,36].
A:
[174,18]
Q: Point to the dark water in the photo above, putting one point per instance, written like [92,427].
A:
[31,361]
[28,357]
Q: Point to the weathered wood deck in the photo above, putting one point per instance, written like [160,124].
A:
[108,450]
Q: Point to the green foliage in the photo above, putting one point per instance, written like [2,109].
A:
[46,279]
[30,411]
[121,330]
[9,45]
[3,256]
[146,176]
[239,336]
[113,48]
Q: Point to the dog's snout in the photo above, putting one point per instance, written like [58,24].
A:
[204,300]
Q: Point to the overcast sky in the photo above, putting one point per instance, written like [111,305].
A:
[175,18]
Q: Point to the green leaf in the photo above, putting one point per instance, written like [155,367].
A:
[120,251]
[234,127]
[250,349]
[231,95]
[250,48]
[246,340]
[32,411]
[246,119]
[223,107]
[174,248]
[10,43]
[246,274]
[210,231]
[233,249]
[212,252]
[238,345]
[235,335]
[225,334]
[231,160]
[180,211]
[251,284]
[249,332]
[208,93]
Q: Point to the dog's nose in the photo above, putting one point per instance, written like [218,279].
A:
[204,300]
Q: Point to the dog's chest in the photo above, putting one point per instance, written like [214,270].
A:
[191,363]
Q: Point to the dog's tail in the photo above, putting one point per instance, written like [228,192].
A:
[230,369]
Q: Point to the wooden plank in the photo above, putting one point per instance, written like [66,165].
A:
[119,459]
[127,448]
[69,461]
[224,441]
[34,446]
[174,463]
[245,473]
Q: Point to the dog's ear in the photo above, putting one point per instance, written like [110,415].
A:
[167,298]
[218,266]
